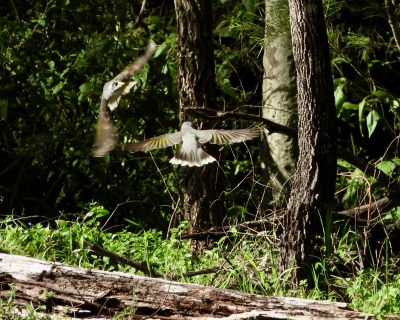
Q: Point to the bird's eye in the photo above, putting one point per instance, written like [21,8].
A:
[115,84]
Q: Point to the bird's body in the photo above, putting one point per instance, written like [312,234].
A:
[191,154]
[112,92]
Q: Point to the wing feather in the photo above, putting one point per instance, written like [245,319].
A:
[227,136]
[138,64]
[166,140]
[105,132]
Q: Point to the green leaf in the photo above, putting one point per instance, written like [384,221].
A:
[134,223]
[227,88]
[62,223]
[58,87]
[339,98]
[237,169]
[361,107]
[340,81]
[372,120]
[387,166]
[85,89]
[350,106]
[383,96]
[396,161]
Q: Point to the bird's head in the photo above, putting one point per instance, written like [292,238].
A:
[112,88]
[186,125]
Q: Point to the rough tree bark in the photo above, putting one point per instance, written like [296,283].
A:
[314,182]
[278,151]
[203,207]
[83,293]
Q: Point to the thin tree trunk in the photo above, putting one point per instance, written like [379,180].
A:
[279,151]
[203,206]
[314,182]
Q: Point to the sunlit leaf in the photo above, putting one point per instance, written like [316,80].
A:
[85,89]
[339,98]
[387,166]
[372,120]
[361,106]
[58,87]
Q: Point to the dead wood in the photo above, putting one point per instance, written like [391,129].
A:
[371,211]
[100,293]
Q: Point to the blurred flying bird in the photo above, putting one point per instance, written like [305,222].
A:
[191,153]
[112,92]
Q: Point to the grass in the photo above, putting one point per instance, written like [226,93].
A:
[247,262]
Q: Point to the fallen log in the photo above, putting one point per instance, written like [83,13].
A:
[73,291]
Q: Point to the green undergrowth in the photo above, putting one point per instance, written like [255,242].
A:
[246,262]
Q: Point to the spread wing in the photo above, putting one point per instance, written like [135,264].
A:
[227,136]
[166,140]
[105,132]
[138,64]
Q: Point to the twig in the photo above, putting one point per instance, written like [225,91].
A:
[116,257]
[390,201]
[390,9]
[364,166]
[139,16]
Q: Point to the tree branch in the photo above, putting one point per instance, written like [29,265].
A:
[116,257]
[364,166]
[210,114]
[390,201]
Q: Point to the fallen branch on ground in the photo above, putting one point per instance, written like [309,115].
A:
[73,291]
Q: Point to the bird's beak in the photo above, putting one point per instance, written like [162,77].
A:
[127,87]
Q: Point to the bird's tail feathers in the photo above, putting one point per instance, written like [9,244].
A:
[196,158]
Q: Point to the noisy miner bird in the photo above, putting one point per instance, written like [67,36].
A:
[191,153]
[112,92]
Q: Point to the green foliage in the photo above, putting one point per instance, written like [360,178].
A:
[13,311]
[56,56]
[363,60]
[370,293]
[340,273]
[245,261]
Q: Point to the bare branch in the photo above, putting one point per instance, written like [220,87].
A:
[211,114]
[390,9]
[364,166]
[116,257]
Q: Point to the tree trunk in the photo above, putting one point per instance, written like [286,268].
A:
[279,151]
[202,187]
[83,293]
[314,182]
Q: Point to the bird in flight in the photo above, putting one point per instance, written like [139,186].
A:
[112,92]
[191,154]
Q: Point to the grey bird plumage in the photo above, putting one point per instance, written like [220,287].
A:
[191,154]
[112,92]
